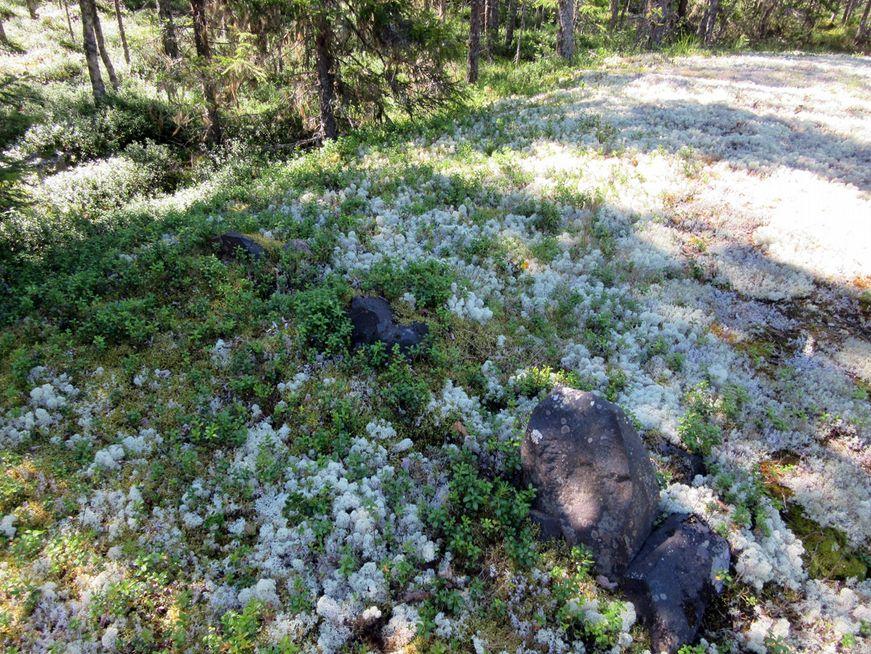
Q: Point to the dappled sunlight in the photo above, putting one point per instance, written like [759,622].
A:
[643,234]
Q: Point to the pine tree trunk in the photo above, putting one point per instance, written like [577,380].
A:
[810,16]
[708,22]
[520,31]
[167,29]
[91,54]
[565,37]
[32,6]
[69,20]
[326,78]
[510,23]
[615,12]
[121,32]
[214,133]
[763,23]
[474,41]
[3,38]
[864,31]
[848,11]
[442,10]
[492,25]
[623,11]
[659,21]
[101,44]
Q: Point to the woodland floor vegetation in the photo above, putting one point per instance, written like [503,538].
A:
[196,459]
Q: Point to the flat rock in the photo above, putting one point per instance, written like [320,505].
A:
[673,578]
[594,479]
[373,322]
[231,243]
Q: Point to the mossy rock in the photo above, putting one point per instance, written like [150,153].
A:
[271,245]
[827,555]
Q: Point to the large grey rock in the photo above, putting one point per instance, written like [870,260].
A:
[594,479]
[373,321]
[673,578]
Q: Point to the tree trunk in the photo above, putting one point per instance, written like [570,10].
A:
[32,6]
[167,29]
[810,15]
[3,38]
[492,25]
[474,41]
[763,23]
[615,12]
[864,31]
[101,44]
[121,32]
[69,20]
[565,37]
[520,31]
[442,10]
[214,133]
[848,11]
[708,22]
[326,78]
[659,21]
[510,23]
[623,13]
[681,12]
[91,54]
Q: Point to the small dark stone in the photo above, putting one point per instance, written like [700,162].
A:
[673,578]
[683,465]
[548,526]
[232,242]
[594,479]
[406,336]
[373,321]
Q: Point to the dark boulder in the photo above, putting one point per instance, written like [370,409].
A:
[231,243]
[594,479]
[372,319]
[373,322]
[673,578]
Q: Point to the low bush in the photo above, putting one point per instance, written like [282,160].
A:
[479,513]
[320,318]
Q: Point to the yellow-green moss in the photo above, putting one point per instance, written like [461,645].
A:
[827,552]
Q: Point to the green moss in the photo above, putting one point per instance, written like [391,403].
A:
[828,555]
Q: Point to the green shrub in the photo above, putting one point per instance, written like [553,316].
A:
[77,130]
[698,433]
[225,429]
[241,628]
[480,513]
[405,391]
[535,380]
[321,320]
[429,281]
[122,321]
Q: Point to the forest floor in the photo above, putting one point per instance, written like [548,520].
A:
[194,460]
